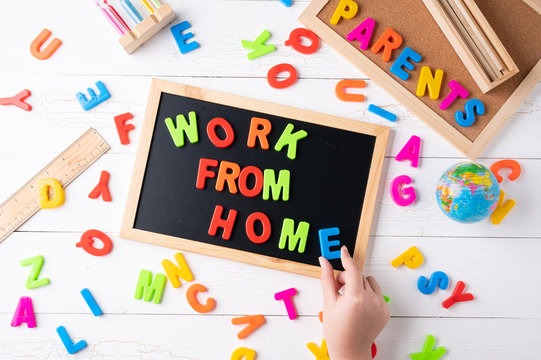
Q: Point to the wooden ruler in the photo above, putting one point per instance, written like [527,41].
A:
[67,166]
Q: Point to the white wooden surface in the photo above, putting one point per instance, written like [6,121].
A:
[499,263]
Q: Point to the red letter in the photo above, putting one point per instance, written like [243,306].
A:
[277,69]
[265,222]
[259,133]
[456,90]
[224,176]
[229,133]
[388,41]
[122,128]
[87,241]
[243,181]
[457,296]
[102,188]
[203,172]
[295,41]
[226,224]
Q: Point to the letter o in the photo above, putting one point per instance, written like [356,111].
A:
[250,232]
[281,84]
[243,178]
[229,133]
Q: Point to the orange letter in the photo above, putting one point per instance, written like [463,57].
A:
[230,177]
[388,41]
[191,296]
[259,133]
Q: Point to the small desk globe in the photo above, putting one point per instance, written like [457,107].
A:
[467,192]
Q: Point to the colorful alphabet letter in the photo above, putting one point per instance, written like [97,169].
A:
[287,297]
[253,323]
[258,45]
[181,39]
[87,242]
[402,196]
[102,188]
[412,258]
[24,313]
[410,151]
[45,186]
[32,281]
[174,273]
[437,279]
[191,296]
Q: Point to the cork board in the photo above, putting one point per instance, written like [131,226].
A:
[512,20]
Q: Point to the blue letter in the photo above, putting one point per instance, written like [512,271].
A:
[402,60]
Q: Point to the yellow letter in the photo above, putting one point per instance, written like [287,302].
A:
[320,353]
[174,272]
[347,9]
[502,209]
[432,82]
[58,194]
[244,353]
[411,257]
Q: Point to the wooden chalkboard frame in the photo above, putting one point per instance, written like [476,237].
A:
[471,149]
[128,231]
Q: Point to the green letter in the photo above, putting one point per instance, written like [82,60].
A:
[293,238]
[177,132]
[151,289]
[270,184]
[290,139]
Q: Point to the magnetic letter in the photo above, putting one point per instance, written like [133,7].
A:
[68,343]
[174,273]
[326,244]
[320,353]
[265,223]
[388,41]
[501,210]
[32,280]
[203,173]
[277,69]
[472,107]
[243,181]
[276,187]
[224,175]
[437,279]
[458,296]
[229,133]
[428,353]
[363,33]
[456,91]
[402,61]
[226,224]
[183,127]
[91,302]
[180,38]
[258,46]
[402,196]
[506,164]
[253,321]
[346,9]
[123,129]
[412,258]
[152,289]
[293,237]
[290,139]
[58,193]
[342,85]
[259,129]
[287,297]
[433,83]
[87,241]
[24,313]
[102,188]
[243,353]
[191,296]
[295,41]
[410,151]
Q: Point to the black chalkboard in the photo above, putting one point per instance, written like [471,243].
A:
[328,180]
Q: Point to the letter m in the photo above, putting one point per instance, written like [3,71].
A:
[152,289]
[293,237]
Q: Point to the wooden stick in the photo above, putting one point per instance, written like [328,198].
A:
[479,37]
[491,74]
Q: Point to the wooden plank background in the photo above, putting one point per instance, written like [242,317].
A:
[499,263]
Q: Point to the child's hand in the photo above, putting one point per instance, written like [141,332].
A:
[351,320]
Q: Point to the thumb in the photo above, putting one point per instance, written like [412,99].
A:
[328,282]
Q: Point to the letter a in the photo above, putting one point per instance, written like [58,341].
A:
[410,151]
[24,313]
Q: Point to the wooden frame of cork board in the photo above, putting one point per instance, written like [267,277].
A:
[165,207]
[512,20]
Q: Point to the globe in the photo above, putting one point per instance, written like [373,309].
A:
[467,192]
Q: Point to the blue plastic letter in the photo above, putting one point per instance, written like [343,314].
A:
[438,278]
[326,244]
[180,38]
[472,106]
[70,346]
[91,302]
[402,61]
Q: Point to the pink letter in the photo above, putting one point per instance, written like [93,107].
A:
[287,296]
[24,313]
[456,90]
[363,33]
[410,151]
[402,197]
